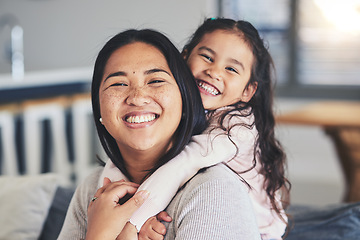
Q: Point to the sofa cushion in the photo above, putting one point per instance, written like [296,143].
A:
[24,204]
[333,222]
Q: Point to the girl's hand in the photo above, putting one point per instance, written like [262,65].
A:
[129,232]
[153,228]
[106,217]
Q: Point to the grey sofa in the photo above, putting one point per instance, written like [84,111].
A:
[335,222]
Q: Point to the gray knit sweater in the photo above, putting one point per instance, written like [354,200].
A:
[214,204]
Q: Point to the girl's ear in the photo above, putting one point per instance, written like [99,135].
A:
[249,92]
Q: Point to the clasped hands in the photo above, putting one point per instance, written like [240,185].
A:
[107,219]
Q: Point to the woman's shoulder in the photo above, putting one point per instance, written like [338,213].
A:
[218,180]
[86,190]
[214,204]
[89,185]
[219,174]
[93,177]
[76,217]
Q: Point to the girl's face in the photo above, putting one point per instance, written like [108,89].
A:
[221,64]
[140,102]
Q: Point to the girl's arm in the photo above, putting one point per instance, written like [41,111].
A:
[203,151]
[112,172]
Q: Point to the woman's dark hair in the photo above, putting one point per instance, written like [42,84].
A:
[193,119]
[267,147]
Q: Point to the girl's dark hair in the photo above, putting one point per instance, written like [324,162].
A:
[271,154]
[193,119]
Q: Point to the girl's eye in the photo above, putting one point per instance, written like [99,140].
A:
[231,69]
[207,57]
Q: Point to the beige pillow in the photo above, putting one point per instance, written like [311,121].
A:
[24,204]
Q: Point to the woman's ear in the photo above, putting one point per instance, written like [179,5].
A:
[184,54]
[249,92]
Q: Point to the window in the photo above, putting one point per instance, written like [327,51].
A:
[329,42]
[315,44]
[272,19]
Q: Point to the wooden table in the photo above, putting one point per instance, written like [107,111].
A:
[341,121]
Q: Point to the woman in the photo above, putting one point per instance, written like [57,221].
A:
[146,108]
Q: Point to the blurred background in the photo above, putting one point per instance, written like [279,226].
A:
[48,48]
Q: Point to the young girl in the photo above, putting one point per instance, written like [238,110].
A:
[232,68]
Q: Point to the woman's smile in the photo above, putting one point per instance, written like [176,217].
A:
[140,119]
[140,101]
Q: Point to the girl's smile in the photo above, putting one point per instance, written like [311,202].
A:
[222,71]
[207,88]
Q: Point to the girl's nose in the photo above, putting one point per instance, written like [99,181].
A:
[214,72]
[137,97]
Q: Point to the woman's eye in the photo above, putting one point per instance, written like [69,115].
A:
[156,81]
[118,84]
[207,57]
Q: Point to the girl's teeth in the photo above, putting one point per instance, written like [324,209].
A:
[208,88]
[140,119]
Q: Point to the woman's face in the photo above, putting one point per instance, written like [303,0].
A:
[221,70]
[140,102]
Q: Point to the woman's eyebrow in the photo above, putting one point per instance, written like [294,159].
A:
[115,74]
[147,72]
[155,70]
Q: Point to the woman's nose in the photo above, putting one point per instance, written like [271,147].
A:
[214,71]
[137,97]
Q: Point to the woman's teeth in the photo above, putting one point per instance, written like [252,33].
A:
[141,118]
[208,88]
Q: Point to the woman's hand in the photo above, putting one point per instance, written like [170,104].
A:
[106,217]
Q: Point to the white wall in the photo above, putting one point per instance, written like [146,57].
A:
[69,34]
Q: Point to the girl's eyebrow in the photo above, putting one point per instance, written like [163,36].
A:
[207,49]
[233,60]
